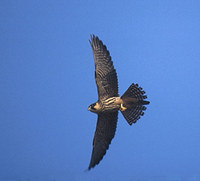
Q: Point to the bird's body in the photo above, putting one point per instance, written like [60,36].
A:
[111,104]
[131,103]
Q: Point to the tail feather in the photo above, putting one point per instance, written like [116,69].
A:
[142,102]
[132,114]
[133,100]
[134,91]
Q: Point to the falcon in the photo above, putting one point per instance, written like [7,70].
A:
[131,103]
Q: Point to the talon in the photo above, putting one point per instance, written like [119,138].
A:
[122,108]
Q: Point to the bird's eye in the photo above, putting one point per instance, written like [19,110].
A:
[92,106]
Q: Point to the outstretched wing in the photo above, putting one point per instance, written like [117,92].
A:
[105,132]
[105,73]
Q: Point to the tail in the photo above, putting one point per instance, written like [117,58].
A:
[133,103]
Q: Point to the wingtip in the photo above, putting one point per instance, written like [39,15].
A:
[94,40]
[89,168]
[91,35]
[91,165]
[91,39]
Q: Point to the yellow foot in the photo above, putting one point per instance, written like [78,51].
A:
[123,108]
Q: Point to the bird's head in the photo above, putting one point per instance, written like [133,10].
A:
[94,107]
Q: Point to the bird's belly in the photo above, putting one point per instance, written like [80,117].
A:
[111,104]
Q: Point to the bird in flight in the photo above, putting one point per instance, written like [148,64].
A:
[131,103]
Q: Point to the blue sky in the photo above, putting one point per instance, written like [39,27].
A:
[47,83]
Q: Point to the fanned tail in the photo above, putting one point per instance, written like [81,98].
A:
[133,103]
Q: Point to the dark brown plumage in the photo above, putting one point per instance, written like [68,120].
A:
[131,104]
[105,131]
[105,73]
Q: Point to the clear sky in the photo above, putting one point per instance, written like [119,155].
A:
[47,83]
